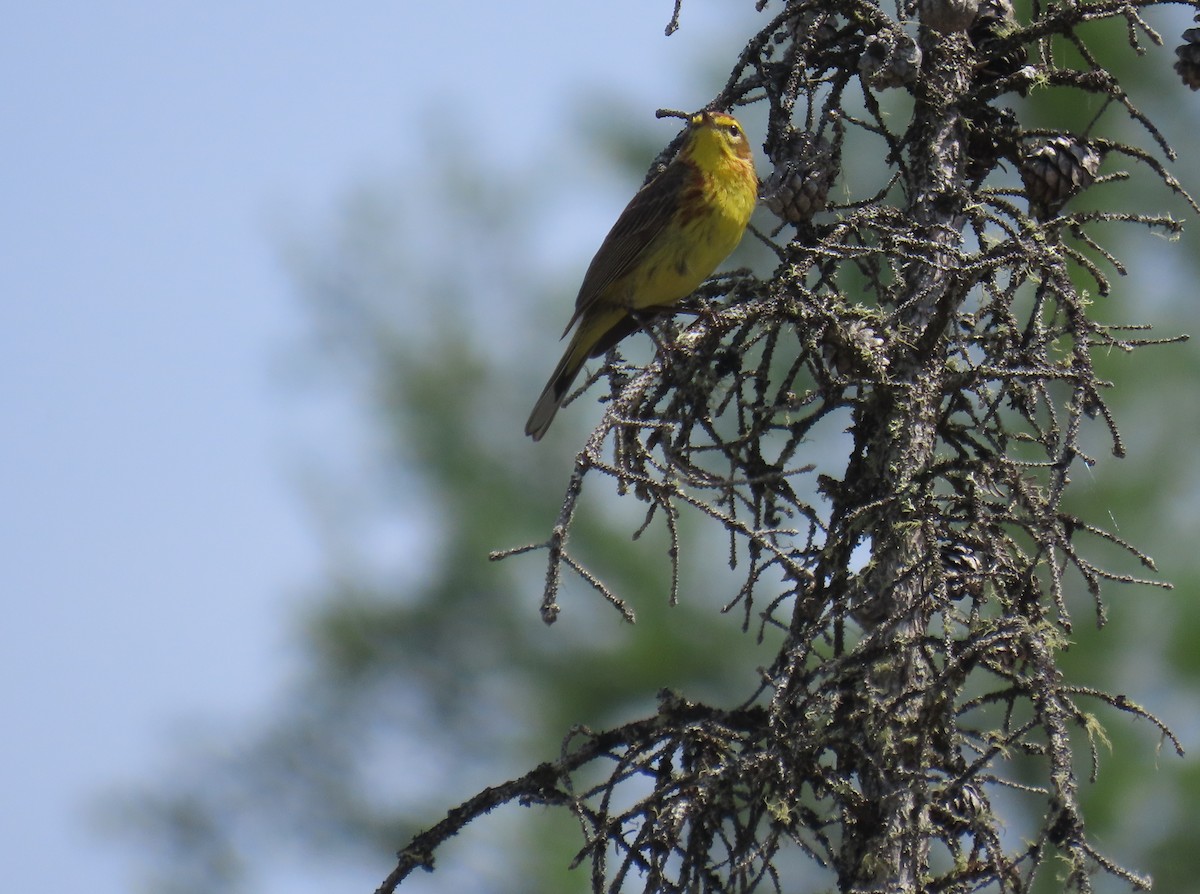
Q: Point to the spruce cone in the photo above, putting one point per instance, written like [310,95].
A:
[804,172]
[890,59]
[810,29]
[995,21]
[808,34]
[1188,65]
[992,135]
[1056,170]
[963,569]
[855,349]
[947,16]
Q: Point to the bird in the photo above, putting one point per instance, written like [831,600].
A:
[671,236]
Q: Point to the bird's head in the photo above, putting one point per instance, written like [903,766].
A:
[714,135]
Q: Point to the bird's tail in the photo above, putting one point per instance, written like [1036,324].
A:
[589,339]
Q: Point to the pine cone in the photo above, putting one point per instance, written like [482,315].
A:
[1188,65]
[804,171]
[1056,170]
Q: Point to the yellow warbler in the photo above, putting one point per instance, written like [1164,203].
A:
[669,238]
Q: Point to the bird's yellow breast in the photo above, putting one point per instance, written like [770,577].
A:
[714,212]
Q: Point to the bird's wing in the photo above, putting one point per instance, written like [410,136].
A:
[646,216]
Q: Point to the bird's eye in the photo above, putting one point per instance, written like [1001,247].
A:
[734,130]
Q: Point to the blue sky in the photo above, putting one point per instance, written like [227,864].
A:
[154,155]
